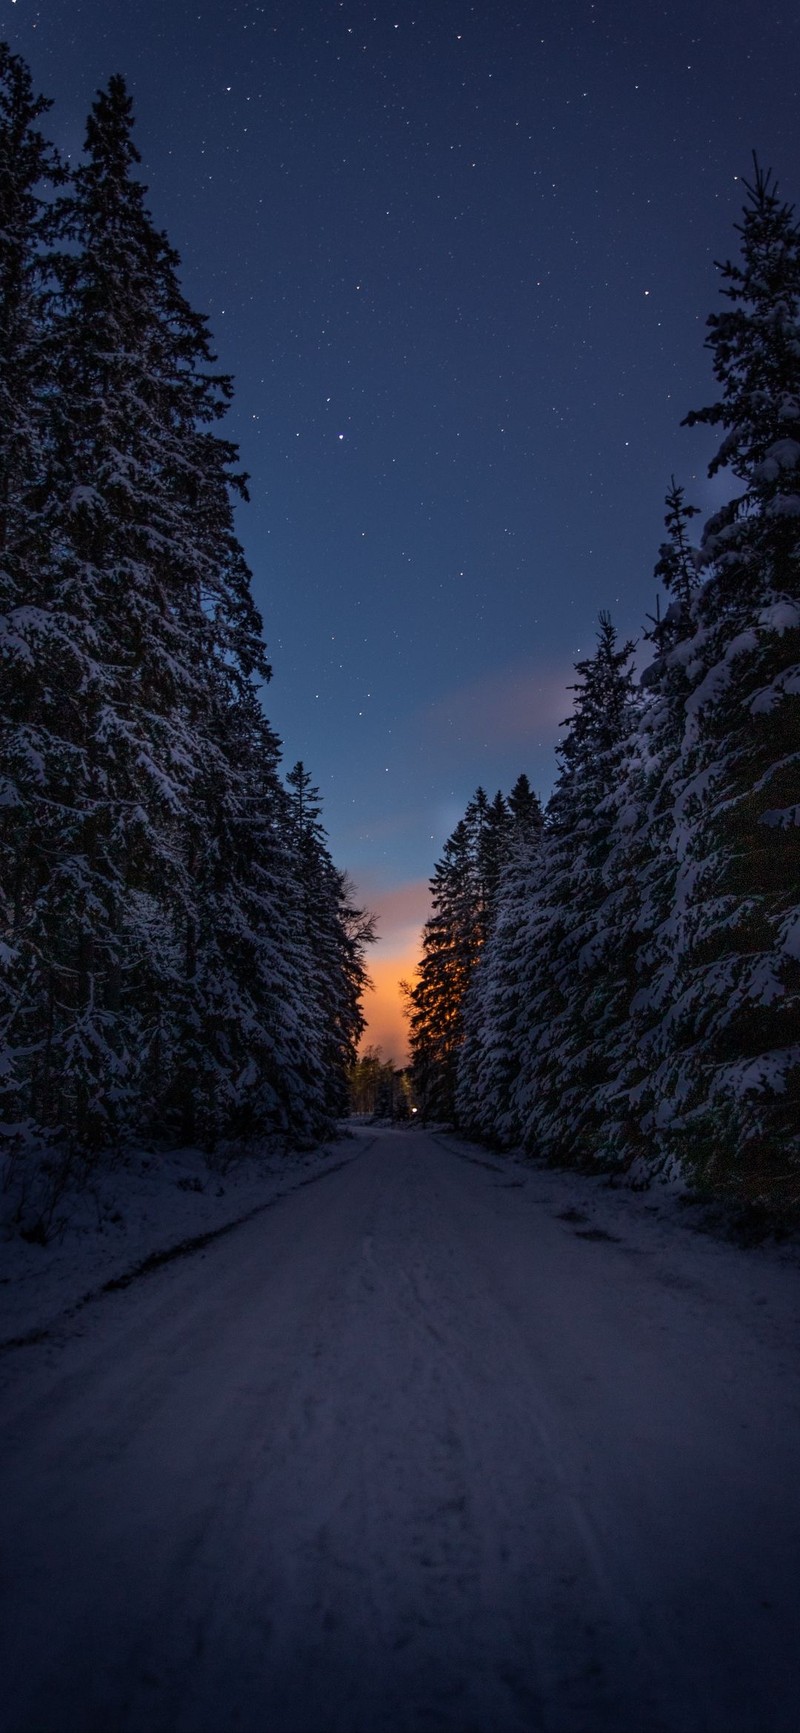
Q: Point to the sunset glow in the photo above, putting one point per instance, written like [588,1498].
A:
[401,913]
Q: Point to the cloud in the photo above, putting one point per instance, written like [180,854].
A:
[517,705]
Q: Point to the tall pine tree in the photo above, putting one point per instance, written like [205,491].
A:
[161,968]
[489,1059]
[730,1043]
[464,892]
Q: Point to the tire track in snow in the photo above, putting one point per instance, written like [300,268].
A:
[406,1457]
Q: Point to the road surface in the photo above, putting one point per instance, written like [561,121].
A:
[423,1449]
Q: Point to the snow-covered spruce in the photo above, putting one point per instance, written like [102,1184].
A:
[730,1075]
[464,890]
[637,998]
[538,1045]
[155,976]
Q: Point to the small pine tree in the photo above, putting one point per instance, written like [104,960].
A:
[677,564]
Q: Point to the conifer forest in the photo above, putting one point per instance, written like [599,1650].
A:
[181,958]
[616,981]
[398,1310]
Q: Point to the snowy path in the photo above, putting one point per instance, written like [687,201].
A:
[412,1452]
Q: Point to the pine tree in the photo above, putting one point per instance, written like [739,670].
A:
[489,1058]
[370,1080]
[464,889]
[639,873]
[180,952]
[731,1071]
[525,808]
[639,989]
[148,534]
[47,648]
[564,968]
[677,564]
[495,843]
[450,944]
[28,232]
[330,935]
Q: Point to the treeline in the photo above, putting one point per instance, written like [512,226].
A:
[179,955]
[465,890]
[379,1088]
[626,989]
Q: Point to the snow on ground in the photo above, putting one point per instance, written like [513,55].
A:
[138,1210]
[444,1443]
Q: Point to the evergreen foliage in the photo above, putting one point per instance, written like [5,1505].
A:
[731,1042]
[577,981]
[637,998]
[378,1089]
[331,935]
[450,944]
[180,954]
[641,868]
[489,1062]
[542,995]
[464,891]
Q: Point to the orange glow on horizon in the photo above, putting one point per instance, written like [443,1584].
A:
[401,912]
[387,1027]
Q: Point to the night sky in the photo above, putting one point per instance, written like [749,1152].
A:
[459,259]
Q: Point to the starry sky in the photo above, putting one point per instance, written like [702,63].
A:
[458,257]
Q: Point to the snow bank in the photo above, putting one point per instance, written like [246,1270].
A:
[143,1209]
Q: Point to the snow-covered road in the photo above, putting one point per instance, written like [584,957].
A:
[438,1443]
